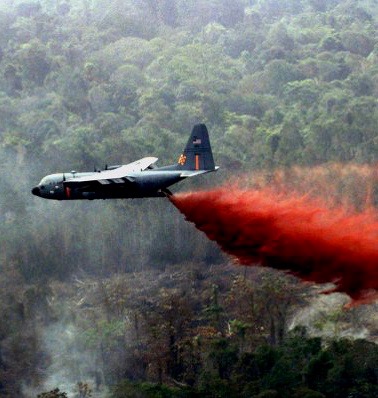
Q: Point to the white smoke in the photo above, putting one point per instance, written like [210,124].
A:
[326,317]
[68,364]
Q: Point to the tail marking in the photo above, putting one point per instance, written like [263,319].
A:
[182,160]
[197,165]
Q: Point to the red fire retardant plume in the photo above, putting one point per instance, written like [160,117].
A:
[295,234]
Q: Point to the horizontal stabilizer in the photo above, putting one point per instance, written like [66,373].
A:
[192,173]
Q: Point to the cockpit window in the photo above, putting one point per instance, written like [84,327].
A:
[44,181]
[51,179]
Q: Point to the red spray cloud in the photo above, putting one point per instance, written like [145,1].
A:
[293,233]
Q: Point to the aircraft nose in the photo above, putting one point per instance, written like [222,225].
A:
[36,191]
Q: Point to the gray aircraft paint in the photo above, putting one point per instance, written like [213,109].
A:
[140,179]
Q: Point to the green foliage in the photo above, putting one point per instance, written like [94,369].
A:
[294,52]
[267,394]
[84,391]
[223,356]
[53,394]
[128,389]
[283,369]
[34,60]
[89,83]
[303,392]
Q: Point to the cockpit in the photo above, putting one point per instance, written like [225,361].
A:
[51,179]
[50,186]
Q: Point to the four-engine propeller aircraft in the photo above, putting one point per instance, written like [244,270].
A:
[140,179]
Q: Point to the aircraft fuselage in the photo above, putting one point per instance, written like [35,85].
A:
[151,183]
[139,179]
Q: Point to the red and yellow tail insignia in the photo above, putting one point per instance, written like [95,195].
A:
[182,160]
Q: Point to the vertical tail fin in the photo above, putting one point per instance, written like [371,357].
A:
[197,154]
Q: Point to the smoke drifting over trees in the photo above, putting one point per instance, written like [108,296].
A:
[124,296]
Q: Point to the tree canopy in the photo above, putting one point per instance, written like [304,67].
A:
[154,308]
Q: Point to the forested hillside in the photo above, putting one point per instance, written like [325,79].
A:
[124,296]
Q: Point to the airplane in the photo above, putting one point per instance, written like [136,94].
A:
[139,179]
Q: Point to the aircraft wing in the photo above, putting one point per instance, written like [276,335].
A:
[119,175]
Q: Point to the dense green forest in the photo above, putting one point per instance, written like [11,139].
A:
[123,298]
